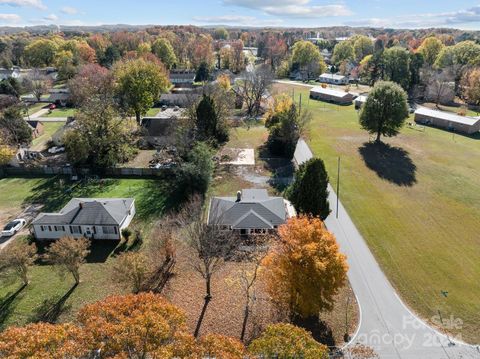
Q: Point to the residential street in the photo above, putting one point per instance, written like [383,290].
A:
[386,325]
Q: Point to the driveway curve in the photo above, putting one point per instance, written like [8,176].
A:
[387,325]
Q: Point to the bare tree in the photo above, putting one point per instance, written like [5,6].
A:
[37,83]
[252,87]
[68,254]
[131,270]
[210,243]
[440,86]
[248,275]
[17,258]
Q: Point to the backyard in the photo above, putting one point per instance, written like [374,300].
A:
[271,173]
[50,128]
[48,297]
[416,201]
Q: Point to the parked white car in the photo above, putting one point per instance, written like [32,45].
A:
[13,227]
[56,149]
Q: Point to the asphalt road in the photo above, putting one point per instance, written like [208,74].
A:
[386,324]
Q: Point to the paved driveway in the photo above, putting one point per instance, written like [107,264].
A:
[386,324]
[29,214]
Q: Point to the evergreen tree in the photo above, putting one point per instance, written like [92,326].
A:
[309,193]
[16,128]
[209,125]
[203,73]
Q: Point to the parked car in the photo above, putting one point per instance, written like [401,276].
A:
[52,107]
[13,227]
[56,149]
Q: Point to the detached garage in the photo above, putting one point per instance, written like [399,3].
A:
[448,121]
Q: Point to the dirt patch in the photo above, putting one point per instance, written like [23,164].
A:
[237,156]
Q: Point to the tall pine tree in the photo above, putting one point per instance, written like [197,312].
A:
[309,193]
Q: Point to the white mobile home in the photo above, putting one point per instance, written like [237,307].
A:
[447,120]
[330,95]
[333,79]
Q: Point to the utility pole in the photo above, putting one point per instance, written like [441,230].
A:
[338,184]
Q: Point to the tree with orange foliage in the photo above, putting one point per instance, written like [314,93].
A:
[86,54]
[42,341]
[135,325]
[305,270]
[287,341]
[220,346]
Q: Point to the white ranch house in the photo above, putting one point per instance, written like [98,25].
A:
[93,218]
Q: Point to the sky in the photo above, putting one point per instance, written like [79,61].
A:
[261,13]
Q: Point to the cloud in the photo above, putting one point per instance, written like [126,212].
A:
[236,20]
[292,8]
[69,10]
[10,18]
[51,17]
[26,3]
[470,15]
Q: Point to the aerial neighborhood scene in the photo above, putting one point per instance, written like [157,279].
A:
[239,179]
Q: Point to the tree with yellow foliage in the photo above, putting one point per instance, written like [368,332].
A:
[6,154]
[224,82]
[220,346]
[305,270]
[287,341]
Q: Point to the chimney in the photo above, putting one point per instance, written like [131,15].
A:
[239,196]
[80,205]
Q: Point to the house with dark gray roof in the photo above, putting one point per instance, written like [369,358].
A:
[251,212]
[94,218]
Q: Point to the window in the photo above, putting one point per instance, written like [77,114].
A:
[59,228]
[42,228]
[109,230]
[75,229]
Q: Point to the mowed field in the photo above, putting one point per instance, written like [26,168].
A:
[416,202]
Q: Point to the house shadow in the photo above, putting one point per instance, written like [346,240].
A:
[390,163]
[101,250]
[51,309]
[321,332]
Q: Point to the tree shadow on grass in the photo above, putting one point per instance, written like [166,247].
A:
[51,309]
[7,304]
[282,168]
[55,192]
[320,331]
[390,163]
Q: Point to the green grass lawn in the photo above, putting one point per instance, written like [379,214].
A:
[417,204]
[35,108]
[61,112]
[49,130]
[48,296]
[152,112]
